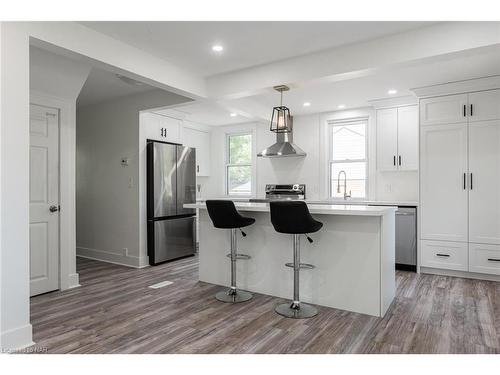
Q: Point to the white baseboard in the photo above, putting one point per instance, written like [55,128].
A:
[464,274]
[74,280]
[16,339]
[109,257]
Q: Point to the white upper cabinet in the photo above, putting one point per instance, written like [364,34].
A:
[443,184]
[408,138]
[387,139]
[397,138]
[200,140]
[161,128]
[484,182]
[484,105]
[448,109]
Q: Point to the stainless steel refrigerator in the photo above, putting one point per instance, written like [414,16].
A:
[171,182]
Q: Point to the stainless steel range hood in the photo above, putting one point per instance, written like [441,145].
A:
[284,147]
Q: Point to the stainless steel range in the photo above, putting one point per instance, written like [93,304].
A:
[283,192]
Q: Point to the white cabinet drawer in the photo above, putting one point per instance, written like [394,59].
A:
[443,254]
[484,258]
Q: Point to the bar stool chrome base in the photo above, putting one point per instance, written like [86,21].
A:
[233,296]
[296,310]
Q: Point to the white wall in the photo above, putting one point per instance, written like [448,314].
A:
[56,75]
[15,329]
[109,205]
[15,324]
[310,134]
[56,81]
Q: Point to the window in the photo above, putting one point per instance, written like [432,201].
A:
[239,164]
[348,146]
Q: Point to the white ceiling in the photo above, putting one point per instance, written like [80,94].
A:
[246,44]
[353,93]
[102,85]
[326,96]
[206,113]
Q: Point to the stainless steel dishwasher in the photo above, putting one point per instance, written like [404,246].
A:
[406,238]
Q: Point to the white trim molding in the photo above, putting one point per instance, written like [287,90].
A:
[393,102]
[16,339]
[458,87]
[113,257]
[464,274]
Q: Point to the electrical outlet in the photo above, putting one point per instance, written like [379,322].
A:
[388,188]
[130,182]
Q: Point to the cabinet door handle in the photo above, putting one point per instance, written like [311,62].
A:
[399,160]
[471,110]
[443,255]
[471,181]
[198,168]
[465,177]
[394,160]
[493,260]
[465,110]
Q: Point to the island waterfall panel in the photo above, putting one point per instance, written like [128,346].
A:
[353,255]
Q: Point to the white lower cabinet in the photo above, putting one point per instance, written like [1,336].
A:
[484,258]
[444,255]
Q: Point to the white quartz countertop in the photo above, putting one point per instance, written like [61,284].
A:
[333,202]
[323,209]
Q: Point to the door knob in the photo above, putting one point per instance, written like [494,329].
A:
[54,208]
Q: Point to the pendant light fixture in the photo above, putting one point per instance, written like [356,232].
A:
[281,120]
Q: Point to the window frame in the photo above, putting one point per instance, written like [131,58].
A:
[228,164]
[331,126]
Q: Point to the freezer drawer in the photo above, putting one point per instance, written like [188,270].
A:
[171,239]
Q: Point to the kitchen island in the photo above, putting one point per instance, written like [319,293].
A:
[354,255]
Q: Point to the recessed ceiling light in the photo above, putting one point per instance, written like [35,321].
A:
[392,91]
[217,48]
[233,114]
[341,106]
[307,104]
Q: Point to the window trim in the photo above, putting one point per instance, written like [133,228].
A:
[227,164]
[336,123]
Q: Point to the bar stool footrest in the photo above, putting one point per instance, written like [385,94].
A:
[306,266]
[240,256]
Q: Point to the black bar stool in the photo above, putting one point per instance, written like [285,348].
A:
[293,217]
[224,216]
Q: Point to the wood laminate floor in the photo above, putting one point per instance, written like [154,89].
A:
[114,311]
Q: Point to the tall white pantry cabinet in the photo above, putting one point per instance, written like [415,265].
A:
[460,182]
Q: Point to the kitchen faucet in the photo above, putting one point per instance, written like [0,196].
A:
[345,185]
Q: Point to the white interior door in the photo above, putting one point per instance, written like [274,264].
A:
[387,139]
[408,138]
[484,193]
[44,199]
[443,185]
